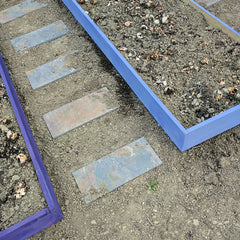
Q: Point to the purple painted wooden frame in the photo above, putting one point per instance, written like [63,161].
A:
[183,138]
[52,213]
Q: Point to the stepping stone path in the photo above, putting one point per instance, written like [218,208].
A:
[79,112]
[19,10]
[40,36]
[117,168]
[110,172]
[55,70]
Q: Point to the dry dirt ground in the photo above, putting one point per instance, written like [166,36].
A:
[198,196]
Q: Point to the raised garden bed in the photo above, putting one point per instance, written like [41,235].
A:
[20,191]
[195,73]
[19,185]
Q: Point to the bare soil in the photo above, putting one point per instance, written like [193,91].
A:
[198,193]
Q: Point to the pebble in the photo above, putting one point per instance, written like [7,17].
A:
[148,4]
[224,162]
[156,22]
[144,27]
[127,24]
[151,17]
[209,28]
[9,134]
[104,23]
[168,90]
[199,95]
[238,218]
[195,222]
[218,92]
[93,222]
[211,178]
[226,90]
[3,196]
[196,102]
[211,110]
[15,178]
[144,67]
[26,209]
[22,158]
[139,35]
[237,96]
[3,128]
[164,19]
[11,171]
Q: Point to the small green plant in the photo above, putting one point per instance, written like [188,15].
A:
[152,186]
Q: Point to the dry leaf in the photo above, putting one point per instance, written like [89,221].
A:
[218,97]
[22,159]
[222,82]
[232,90]
[205,61]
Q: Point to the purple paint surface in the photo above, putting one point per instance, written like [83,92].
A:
[47,216]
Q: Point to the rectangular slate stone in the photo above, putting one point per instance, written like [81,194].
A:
[79,112]
[19,10]
[115,169]
[42,35]
[52,71]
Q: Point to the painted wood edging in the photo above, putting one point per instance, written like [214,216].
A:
[50,215]
[183,138]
